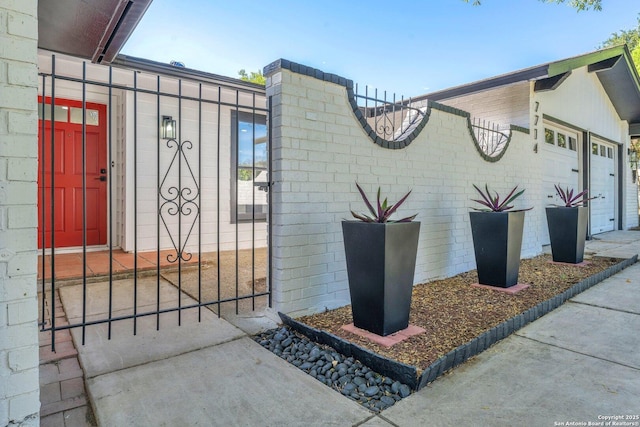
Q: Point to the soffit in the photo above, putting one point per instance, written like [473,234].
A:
[620,81]
[90,29]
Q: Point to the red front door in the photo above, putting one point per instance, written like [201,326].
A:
[66,174]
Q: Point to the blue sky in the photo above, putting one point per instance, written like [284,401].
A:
[407,48]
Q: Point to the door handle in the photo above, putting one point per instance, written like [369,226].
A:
[102,178]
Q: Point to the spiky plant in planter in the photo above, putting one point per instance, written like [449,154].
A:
[384,210]
[568,226]
[381,260]
[493,203]
[569,199]
[497,237]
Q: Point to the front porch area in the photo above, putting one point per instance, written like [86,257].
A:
[71,266]
[149,306]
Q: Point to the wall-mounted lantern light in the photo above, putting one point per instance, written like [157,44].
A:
[168,128]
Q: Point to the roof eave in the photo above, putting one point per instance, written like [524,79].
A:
[613,66]
[90,29]
[619,79]
[142,64]
[527,74]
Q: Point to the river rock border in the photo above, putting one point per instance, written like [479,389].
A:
[407,374]
[345,374]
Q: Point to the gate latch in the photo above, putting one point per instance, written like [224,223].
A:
[263,186]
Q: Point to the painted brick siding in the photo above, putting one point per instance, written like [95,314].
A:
[19,388]
[319,150]
[506,105]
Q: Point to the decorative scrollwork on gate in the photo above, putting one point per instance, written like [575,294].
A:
[179,197]
[384,126]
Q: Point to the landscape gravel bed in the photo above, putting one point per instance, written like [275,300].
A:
[453,313]
[377,377]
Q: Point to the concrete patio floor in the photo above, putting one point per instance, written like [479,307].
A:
[575,364]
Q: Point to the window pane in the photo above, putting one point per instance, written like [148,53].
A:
[572,144]
[92,116]
[594,148]
[562,142]
[250,167]
[549,136]
[60,112]
[252,147]
[603,151]
[610,152]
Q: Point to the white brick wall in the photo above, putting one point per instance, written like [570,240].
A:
[319,149]
[19,388]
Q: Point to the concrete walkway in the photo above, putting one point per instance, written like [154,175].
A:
[577,364]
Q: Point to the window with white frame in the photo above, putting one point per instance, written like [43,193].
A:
[560,139]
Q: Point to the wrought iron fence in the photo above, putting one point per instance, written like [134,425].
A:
[113,184]
[392,119]
[490,137]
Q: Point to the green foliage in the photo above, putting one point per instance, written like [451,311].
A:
[254,77]
[579,5]
[630,37]
[245,175]
[635,55]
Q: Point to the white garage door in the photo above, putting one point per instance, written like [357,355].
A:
[603,186]
[561,166]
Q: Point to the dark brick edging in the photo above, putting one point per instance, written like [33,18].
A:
[408,374]
[349,86]
[371,133]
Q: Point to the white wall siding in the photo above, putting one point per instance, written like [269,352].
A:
[582,102]
[320,150]
[147,177]
[117,168]
[19,384]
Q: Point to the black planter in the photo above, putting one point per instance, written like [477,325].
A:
[497,241]
[568,232]
[381,261]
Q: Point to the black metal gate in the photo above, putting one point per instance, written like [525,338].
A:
[153,181]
